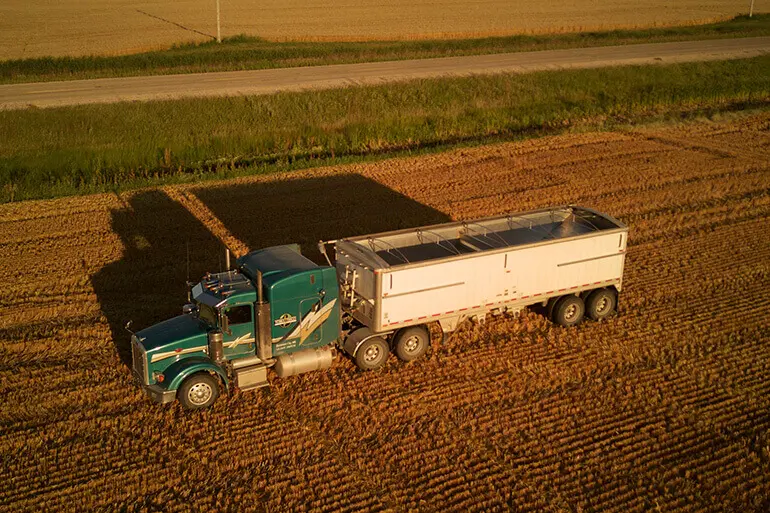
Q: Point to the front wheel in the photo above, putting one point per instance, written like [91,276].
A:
[198,391]
[411,343]
[372,354]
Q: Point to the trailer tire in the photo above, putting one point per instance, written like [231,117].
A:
[199,391]
[568,311]
[372,354]
[411,343]
[600,304]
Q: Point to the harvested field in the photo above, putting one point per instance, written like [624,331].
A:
[664,406]
[33,28]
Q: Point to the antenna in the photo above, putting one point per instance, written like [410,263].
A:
[187,281]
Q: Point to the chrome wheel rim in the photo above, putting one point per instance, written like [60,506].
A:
[602,305]
[200,393]
[571,312]
[412,344]
[372,353]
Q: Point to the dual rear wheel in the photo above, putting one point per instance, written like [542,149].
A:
[409,344]
[570,310]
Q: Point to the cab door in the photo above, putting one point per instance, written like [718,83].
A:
[298,324]
[310,331]
[239,338]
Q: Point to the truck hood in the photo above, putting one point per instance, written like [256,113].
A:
[174,331]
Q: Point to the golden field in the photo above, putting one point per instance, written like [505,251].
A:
[35,28]
[663,407]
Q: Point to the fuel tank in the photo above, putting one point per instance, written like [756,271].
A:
[304,361]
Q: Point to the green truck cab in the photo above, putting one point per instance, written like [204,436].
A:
[277,309]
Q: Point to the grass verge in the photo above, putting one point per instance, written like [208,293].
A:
[71,150]
[242,52]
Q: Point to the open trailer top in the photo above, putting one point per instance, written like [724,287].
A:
[450,271]
[279,310]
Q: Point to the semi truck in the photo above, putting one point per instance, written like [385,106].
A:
[279,312]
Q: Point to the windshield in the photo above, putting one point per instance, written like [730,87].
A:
[207,314]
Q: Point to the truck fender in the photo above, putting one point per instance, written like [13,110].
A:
[182,369]
[354,340]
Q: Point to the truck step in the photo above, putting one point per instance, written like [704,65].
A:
[251,377]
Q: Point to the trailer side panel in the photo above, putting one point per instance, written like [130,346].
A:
[517,277]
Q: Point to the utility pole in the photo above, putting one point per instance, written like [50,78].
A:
[219,31]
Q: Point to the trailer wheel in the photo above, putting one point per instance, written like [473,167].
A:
[372,354]
[411,343]
[600,303]
[569,311]
[198,391]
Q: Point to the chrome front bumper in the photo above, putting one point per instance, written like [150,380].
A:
[156,392]
[160,395]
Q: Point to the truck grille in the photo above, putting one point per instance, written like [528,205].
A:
[140,360]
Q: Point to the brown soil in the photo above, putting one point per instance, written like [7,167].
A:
[664,406]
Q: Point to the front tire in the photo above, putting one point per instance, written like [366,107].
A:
[372,354]
[568,311]
[600,304]
[411,343]
[199,391]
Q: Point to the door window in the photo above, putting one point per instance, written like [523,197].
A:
[239,337]
[238,315]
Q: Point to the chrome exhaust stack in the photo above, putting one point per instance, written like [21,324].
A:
[264,330]
[216,345]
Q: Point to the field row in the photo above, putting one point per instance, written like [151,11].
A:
[662,406]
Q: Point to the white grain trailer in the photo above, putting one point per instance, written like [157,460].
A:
[568,258]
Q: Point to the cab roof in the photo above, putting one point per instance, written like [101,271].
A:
[276,263]
[215,289]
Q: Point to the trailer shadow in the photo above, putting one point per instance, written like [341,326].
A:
[306,211]
[162,238]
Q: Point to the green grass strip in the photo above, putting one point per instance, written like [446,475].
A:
[242,52]
[69,150]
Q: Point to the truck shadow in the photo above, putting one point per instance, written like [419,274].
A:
[308,210]
[162,238]
[148,284]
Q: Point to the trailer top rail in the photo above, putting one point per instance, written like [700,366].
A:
[404,247]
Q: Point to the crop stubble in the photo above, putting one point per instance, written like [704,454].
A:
[32,28]
[663,406]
